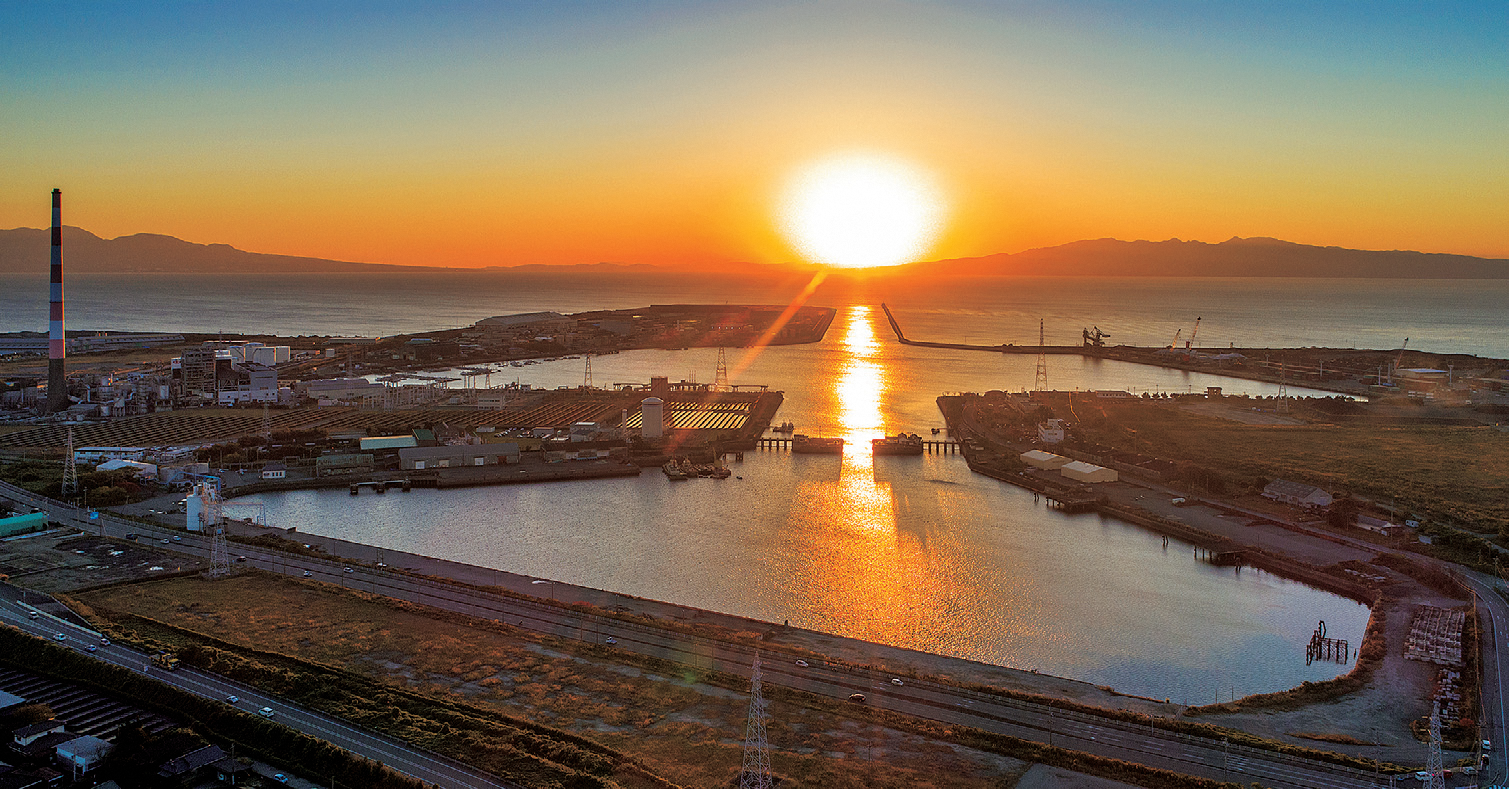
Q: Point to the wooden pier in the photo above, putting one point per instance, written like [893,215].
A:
[1322,648]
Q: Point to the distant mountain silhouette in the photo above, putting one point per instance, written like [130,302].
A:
[26,250]
[1237,257]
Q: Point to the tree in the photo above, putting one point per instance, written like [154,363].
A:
[1343,512]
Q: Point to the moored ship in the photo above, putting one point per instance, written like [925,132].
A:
[899,444]
[815,445]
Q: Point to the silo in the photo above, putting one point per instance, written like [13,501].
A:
[194,505]
[652,413]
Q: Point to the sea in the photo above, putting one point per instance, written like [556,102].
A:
[909,551]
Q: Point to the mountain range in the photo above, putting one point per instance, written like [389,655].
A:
[25,250]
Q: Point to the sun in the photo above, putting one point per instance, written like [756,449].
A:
[861,210]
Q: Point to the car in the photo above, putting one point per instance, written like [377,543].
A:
[349,570]
[857,698]
[60,637]
[91,648]
[166,541]
[177,539]
[280,778]
[308,574]
[802,663]
[1487,745]
[1422,776]
[131,535]
[895,681]
[232,699]
[104,642]
[265,712]
[240,558]
[611,640]
[1469,770]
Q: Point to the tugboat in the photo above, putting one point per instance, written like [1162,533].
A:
[814,445]
[899,444]
[784,427]
[673,472]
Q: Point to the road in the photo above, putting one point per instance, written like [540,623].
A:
[1146,744]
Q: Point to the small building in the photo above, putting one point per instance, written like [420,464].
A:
[274,471]
[82,754]
[30,733]
[1037,458]
[424,437]
[146,471]
[334,465]
[98,454]
[1296,493]
[388,442]
[1080,471]
[426,458]
[1380,526]
[1052,431]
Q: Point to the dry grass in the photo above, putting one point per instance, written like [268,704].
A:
[1456,473]
[676,725]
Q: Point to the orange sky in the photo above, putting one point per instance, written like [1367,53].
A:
[480,136]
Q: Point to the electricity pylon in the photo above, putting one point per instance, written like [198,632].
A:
[1041,383]
[756,771]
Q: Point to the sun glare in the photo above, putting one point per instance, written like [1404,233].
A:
[861,210]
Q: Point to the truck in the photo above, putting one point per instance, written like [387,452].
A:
[165,660]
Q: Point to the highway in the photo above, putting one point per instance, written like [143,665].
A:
[1142,743]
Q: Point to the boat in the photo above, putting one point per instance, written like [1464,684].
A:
[722,473]
[784,427]
[935,431]
[816,445]
[899,444]
[673,472]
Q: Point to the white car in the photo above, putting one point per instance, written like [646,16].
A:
[232,699]
[265,712]
[60,637]
[611,640]
[1422,776]
[895,681]
[308,574]
[802,663]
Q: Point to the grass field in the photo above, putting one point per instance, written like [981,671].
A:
[1458,474]
[673,722]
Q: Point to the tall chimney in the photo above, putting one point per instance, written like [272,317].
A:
[57,383]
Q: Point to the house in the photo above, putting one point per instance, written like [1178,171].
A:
[184,769]
[1296,493]
[82,754]
[30,733]
[274,471]
[1380,526]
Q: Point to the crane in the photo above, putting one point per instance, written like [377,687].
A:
[1189,343]
[1398,360]
[1175,343]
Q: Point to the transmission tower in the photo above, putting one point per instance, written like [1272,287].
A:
[1283,390]
[1041,383]
[756,771]
[720,373]
[1433,764]
[70,470]
[214,515]
[587,377]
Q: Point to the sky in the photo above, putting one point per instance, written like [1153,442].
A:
[495,133]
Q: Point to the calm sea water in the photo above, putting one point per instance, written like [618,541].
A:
[1457,316]
[916,552]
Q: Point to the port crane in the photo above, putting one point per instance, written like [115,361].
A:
[1190,343]
[1094,337]
[1398,360]
[1174,343]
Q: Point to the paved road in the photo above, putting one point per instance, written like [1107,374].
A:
[1101,735]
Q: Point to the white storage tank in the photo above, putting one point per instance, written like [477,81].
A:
[652,413]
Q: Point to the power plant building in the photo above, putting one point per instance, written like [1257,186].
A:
[652,414]
[57,342]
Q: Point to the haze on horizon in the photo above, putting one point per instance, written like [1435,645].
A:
[474,134]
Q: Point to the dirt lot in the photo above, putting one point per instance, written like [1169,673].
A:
[63,560]
[684,730]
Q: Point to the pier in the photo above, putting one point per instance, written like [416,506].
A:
[382,485]
[1322,648]
[929,446]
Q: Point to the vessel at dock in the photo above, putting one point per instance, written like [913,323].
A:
[815,445]
[673,471]
[899,444]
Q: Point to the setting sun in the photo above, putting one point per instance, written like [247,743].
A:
[861,210]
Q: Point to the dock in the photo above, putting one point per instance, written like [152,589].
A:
[929,446]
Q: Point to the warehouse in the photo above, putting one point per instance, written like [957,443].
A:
[1297,493]
[422,458]
[1080,471]
[1037,458]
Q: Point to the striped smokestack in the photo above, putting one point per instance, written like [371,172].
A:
[57,384]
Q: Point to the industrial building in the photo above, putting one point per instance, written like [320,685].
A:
[1296,493]
[422,458]
[1052,431]
[98,454]
[333,465]
[339,390]
[1047,461]
[1080,471]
